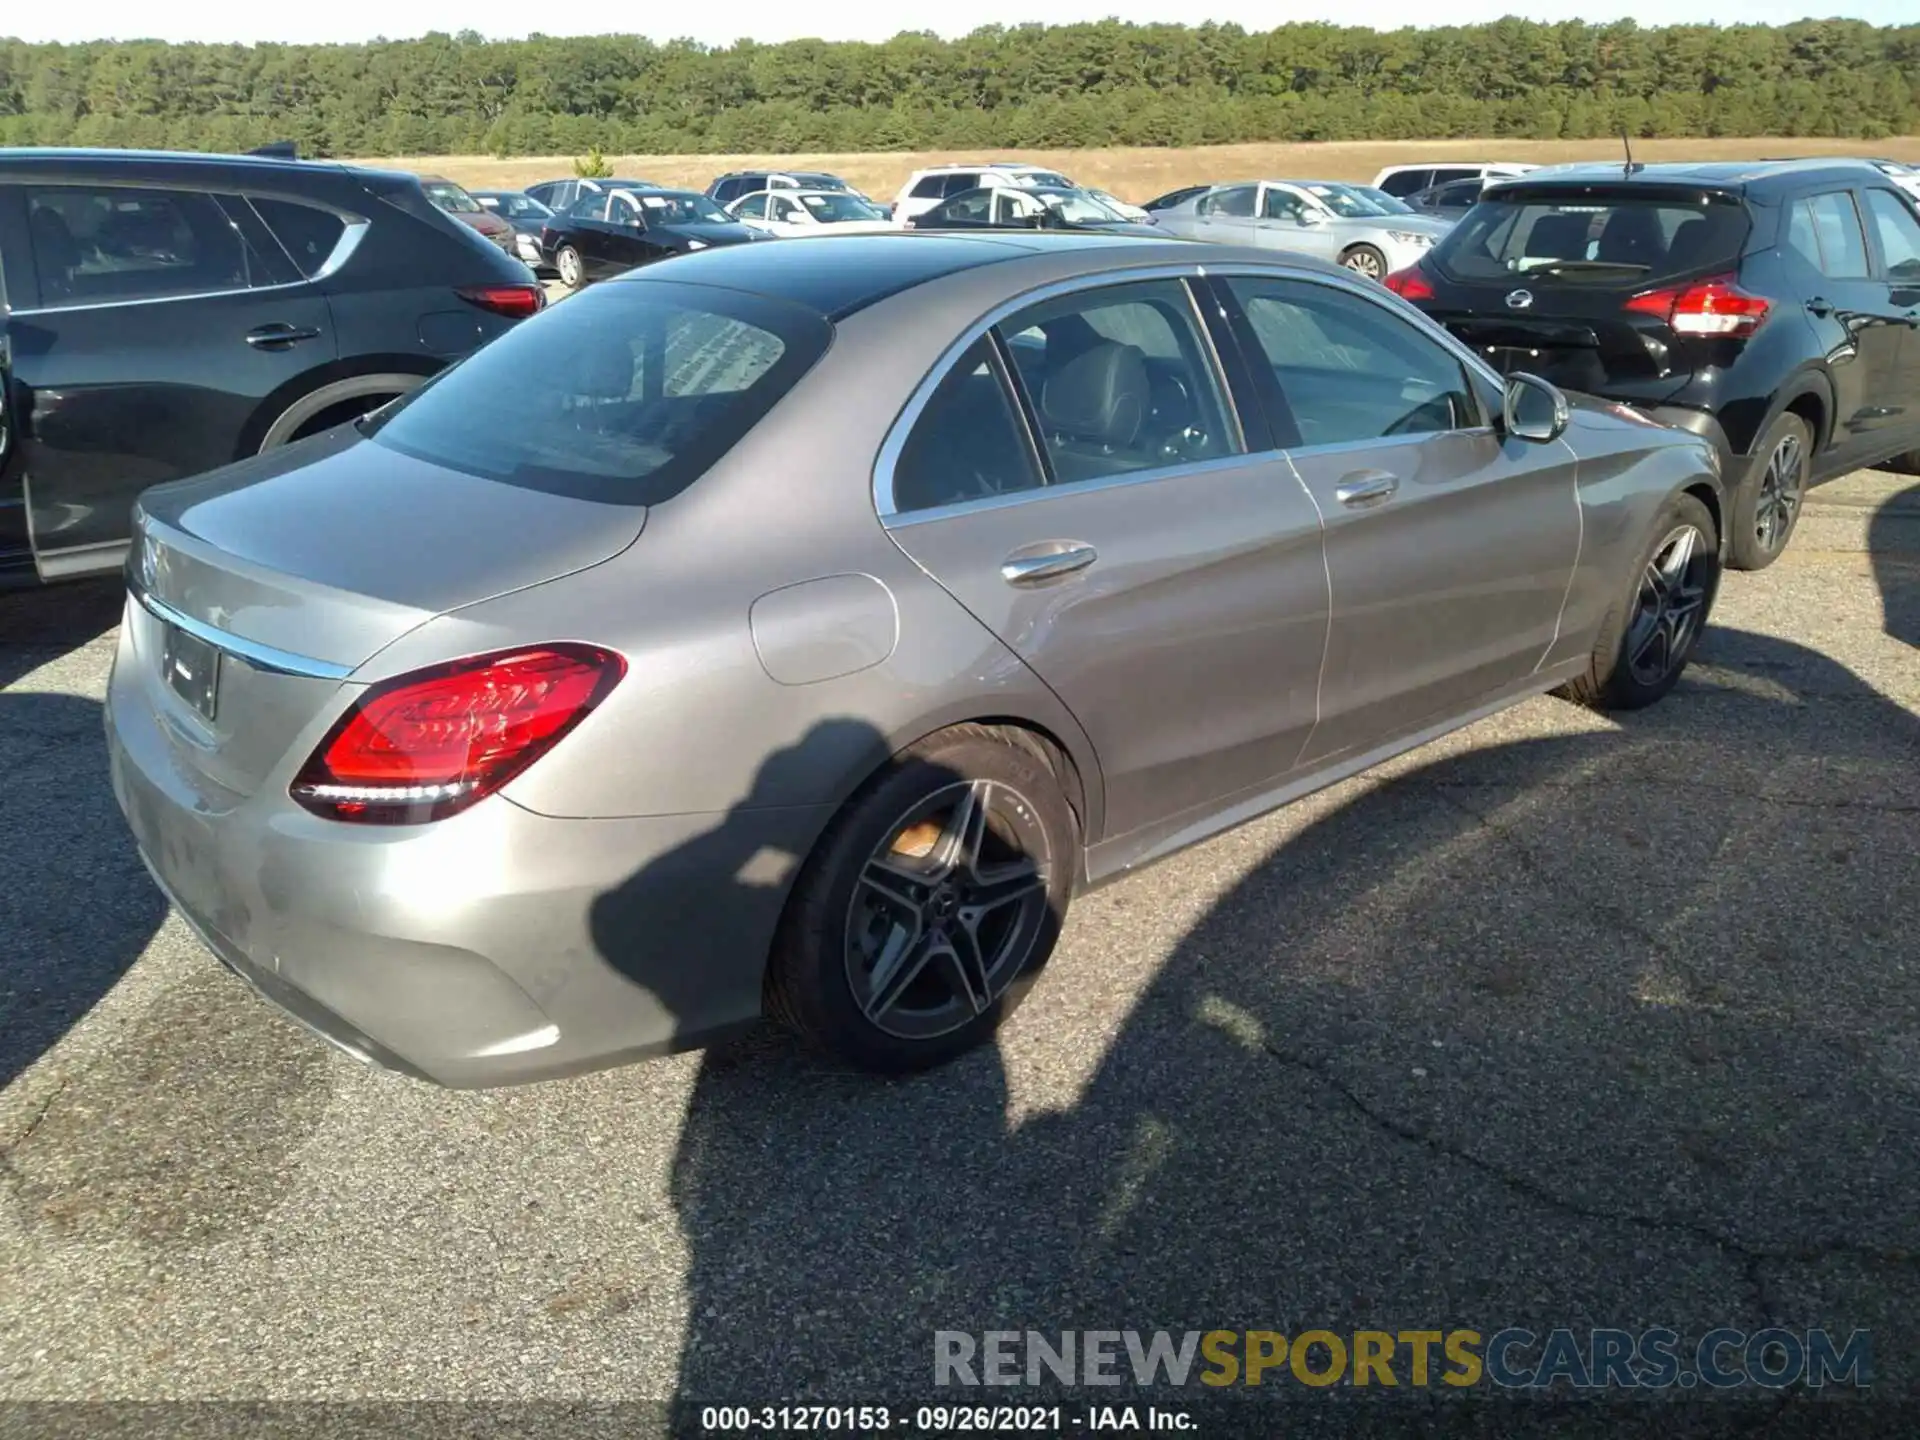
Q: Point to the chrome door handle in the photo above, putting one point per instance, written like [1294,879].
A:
[1037,564]
[279,336]
[1365,487]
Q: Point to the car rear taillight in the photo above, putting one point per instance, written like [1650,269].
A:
[1715,307]
[427,745]
[516,302]
[1410,284]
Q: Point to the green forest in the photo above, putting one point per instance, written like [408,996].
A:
[1026,86]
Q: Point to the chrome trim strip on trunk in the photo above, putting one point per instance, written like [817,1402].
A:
[260,657]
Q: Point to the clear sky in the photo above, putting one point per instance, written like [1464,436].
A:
[722,21]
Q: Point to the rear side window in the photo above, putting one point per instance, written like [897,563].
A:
[1898,232]
[626,394]
[968,443]
[1593,237]
[929,187]
[98,245]
[1840,248]
[960,184]
[1407,182]
[307,233]
[1236,201]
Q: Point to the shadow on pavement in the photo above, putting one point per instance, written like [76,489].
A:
[1614,1029]
[1893,540]
[78,907]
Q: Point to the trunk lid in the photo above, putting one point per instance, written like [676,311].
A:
[1539,278]
[300,565]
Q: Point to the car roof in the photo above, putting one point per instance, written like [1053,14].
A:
[32,156]
[856,271]
[795,192]
[1736,175]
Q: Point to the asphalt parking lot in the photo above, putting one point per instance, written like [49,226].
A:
[1560,1021]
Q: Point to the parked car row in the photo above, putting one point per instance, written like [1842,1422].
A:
[936,543]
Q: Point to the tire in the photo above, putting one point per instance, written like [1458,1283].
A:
[1622,673]
[867,965]
[572,272]
[1365,260]
[1766,507]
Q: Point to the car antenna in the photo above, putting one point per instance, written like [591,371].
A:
[1626,144]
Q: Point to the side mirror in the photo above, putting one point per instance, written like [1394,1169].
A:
[1533,410]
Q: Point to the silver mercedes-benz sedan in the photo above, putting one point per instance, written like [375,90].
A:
[1323,218]
[797,629]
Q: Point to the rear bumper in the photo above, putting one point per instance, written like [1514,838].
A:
[495,948]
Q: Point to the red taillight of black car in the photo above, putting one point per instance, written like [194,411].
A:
[1711,309]
[1410,284]
[427,745]
[516,302]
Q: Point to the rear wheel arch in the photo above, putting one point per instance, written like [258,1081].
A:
[365,377]
[340,399]
[1814,408]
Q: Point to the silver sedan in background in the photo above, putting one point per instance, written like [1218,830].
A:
[796,629]
[1323,218]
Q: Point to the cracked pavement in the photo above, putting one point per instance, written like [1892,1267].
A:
[1560,1021]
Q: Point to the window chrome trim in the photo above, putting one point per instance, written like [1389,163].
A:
[1373,293]
[356,227]
[258,656]
[896,441]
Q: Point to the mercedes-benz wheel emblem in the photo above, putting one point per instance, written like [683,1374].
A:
[1519,299]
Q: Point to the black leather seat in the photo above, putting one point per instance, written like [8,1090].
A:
[1094,408]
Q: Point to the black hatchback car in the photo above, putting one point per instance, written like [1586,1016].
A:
[163,314]
[1773,308]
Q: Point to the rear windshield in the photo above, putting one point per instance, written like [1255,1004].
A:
[1594,238]
[625,394]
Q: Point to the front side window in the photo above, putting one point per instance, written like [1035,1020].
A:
[94,245]
[1120,380]
[622,211]
[1349,369]
[1898,232]
[973,208]
[625,395]
[671,207]
[968,443]
[1278,204]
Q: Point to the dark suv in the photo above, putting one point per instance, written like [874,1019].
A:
[1773,308]
[164,314]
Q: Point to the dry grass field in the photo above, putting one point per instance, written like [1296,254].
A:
[1140,174]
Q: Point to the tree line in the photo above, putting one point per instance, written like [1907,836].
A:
[1029,86]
